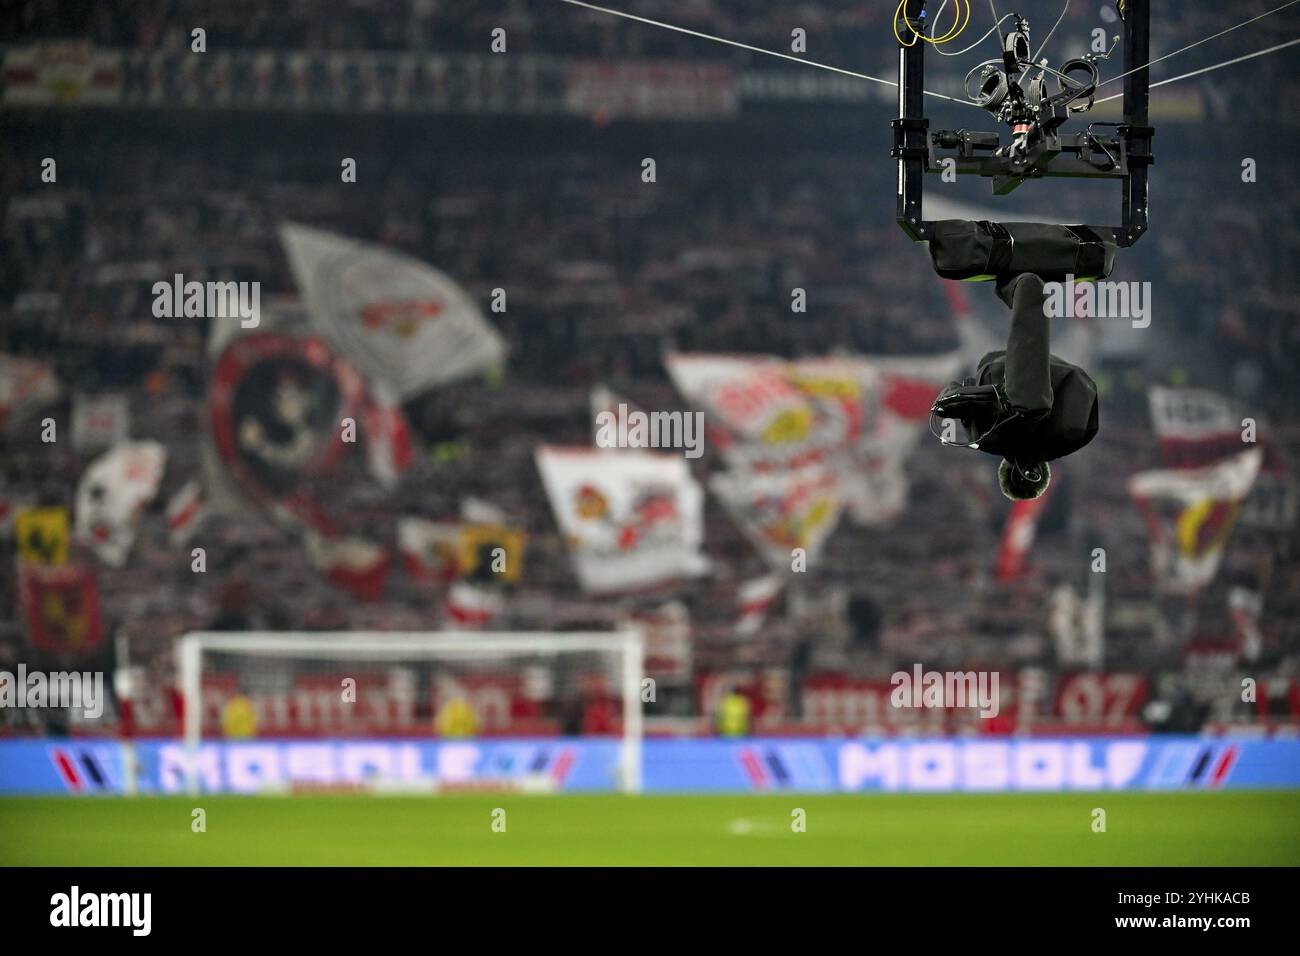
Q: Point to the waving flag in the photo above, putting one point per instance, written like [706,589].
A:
[387,436]
[1198,427]
[782,511]
[112,493]
[1195,426]
[354,564]
[1190,514]
[186,511]
[471,605]
[25,386]
[430,549]
[100,421]
[1018,535]
[400,320]
[754,599]
[767,413]
[61,605]
[42,535]
[859,416]
[633,519]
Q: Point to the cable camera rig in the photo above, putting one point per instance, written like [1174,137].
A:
[1035,101]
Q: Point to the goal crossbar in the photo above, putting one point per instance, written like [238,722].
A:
[629,645]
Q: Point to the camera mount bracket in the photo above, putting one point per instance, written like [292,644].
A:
[1038,148]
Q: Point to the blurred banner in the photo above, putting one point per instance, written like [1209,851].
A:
[874,482]
[42,535]
[767,413]
[387,436]
[491,553]
[668,646]
[632,518]
[782,511]
[61,605]
[275,407]
[754,599]
[1190,514]
[26,386]
[1195,426]
[858,415]
[186,512]
[640,89]
[1018,535]
[99,421]
[111,495]
[471,605]
[284,408]
[430,549]
[354,564]
[1059,765]
[449,550]
[78,74]
[404,323]
[1198,427]
[62,73]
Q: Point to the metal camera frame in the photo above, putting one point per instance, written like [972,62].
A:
[1124,156]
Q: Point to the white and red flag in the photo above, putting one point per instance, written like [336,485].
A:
[1190,514]
[430,549]
[354,564]
[25,386]
[1018,536]
[185,512]
[754,600]
[400,320]
[786,515]
[387,436]
[112,493]
[471,605]
[632,518]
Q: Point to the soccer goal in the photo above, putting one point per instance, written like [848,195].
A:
[425,711]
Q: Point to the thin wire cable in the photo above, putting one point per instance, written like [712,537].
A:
[997,22]
[1207,69]
[995,26]
[1042,46]
[1244,23]
[754,49]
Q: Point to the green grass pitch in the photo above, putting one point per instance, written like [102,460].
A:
[1240,828]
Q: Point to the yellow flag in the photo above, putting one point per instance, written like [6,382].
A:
[42,535]
[491,547]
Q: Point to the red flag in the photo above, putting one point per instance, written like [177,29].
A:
[430,549]
[354,564]
[1018,536]
[61,604]
[388,438]
[471,606]
[185,512]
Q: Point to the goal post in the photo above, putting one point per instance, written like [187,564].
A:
[461,685]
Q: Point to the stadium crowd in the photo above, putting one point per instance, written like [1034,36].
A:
[604,273]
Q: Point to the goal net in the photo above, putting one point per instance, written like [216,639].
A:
[414,712]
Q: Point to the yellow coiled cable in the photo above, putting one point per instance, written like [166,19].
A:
[958,25]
